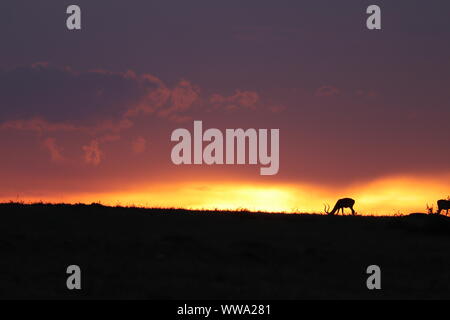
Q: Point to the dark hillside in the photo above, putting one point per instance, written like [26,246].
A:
[179,254]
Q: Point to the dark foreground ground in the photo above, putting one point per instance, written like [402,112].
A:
[175,254]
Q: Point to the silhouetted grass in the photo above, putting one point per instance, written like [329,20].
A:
[169,253]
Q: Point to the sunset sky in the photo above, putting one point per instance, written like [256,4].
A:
[86,116]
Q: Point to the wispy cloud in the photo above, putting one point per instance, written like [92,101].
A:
[327,91]
[139,145]
[240,99]
[92,153]
[53,149]
[98,105]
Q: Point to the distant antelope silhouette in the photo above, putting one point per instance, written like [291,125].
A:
[443,205]
[340,205]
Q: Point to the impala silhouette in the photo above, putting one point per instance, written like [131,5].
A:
[443,205]
[340,205]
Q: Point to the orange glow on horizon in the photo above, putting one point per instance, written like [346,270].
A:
[388,196]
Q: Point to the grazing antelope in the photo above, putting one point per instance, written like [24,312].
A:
[340,205]
[443,205]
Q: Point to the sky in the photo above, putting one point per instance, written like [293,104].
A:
[87,115]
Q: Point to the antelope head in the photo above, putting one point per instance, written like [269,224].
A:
[429,209]
[327,208]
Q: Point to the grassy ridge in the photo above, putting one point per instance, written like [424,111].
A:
[180,254]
